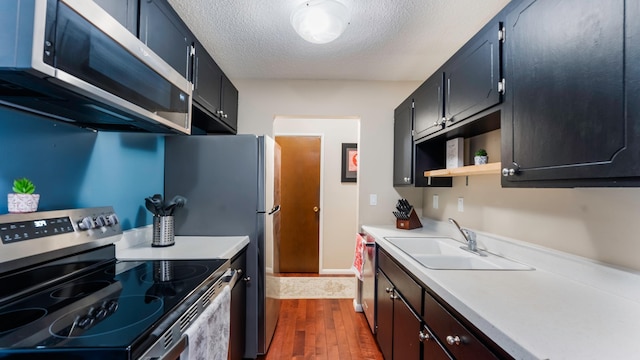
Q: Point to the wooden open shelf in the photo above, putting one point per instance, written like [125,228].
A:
[491,168]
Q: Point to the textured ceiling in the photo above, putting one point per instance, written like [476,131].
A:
[392,40]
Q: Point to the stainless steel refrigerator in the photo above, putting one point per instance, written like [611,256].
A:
[232,184]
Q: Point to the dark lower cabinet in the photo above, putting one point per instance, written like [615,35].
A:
[238,309]
[570,115]
[412,324]
[454,336]
[125,11]
[406,330]
[431,348]
[384,316]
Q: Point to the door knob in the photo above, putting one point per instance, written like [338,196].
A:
[316,209]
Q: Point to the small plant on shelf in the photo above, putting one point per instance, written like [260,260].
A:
[480,157]
[23,199]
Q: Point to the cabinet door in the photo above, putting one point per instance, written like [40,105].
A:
[471,77]
[403,144]
[125,11]
[406,330]
[428,106]
[431,349]
[384,309]
[207,77]
[163,32]
[229,103]
[238,309]
[565,95]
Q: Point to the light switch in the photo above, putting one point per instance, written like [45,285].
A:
[435,201]
[373,199]
[460,204]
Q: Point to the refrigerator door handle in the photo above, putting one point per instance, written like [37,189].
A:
[274,210]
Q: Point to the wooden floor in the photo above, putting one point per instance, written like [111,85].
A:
[321,329]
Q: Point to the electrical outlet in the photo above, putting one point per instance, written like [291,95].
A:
[460,204]
[435,201]
[373,199]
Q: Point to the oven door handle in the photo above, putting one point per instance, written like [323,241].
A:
[176,350]
[231,276]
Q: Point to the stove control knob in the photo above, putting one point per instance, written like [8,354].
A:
[112,306]
[101,313]
[112,219]
[86,223]
[85,322]
[101,221]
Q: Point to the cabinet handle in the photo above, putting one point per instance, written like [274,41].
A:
[224,116]
[424,336]
[239,272]
[393,296]
[388,290]
[246,279]
[453,340]
[219,112]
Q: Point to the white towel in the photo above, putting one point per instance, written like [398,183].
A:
[209,334]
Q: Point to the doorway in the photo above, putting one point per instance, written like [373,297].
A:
[300,213]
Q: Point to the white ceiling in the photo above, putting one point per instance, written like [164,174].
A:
[393,40]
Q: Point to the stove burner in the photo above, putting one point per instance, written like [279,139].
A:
[12,320]
[166,271]
[78,323]
[79,289]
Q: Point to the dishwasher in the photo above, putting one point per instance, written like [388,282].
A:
[368,296]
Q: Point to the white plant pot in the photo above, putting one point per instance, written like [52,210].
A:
[479,160]
[22,203]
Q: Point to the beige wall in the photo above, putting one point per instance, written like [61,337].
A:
[338,204]
[373,102]
[597,223]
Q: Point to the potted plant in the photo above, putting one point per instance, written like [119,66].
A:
[23,200]
[480,157]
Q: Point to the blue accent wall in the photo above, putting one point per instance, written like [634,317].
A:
[75,168]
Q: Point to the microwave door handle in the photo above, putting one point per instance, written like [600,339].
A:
[274,210]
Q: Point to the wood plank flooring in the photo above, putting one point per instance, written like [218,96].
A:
[322,329]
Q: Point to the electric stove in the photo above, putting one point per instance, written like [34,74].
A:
[79,302]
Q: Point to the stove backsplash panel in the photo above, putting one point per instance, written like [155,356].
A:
[73,167]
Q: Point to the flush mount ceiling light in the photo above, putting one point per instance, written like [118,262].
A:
[320,21]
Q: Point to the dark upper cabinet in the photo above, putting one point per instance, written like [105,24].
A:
[125,11]
[570,115]
[403,144]
[162,30]
[471,77]
[229,103]
[214,96]
[428,104]
[464,86]
[410,161]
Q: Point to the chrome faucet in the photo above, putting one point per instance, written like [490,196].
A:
[470,237]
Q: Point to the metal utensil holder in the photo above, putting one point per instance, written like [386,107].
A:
[163,231]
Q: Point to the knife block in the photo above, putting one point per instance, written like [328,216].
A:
[412,223]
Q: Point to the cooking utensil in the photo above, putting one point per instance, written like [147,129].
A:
[177,202]
[148,203]
[158,203]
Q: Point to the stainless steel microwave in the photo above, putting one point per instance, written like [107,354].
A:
[70,60]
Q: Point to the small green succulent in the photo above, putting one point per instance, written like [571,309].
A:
[481,152]
[23,186]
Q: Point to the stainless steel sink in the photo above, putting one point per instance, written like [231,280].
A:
[442,253]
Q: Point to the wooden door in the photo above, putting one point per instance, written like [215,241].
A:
[300,201]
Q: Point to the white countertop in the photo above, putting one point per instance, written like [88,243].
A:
[567,308]
[136,245]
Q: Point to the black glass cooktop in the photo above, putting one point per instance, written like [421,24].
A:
[113,305]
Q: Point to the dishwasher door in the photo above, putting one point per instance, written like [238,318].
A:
[369,284]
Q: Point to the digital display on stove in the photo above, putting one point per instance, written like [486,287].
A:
[33,229]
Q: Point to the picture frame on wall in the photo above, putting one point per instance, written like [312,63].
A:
[349,162]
